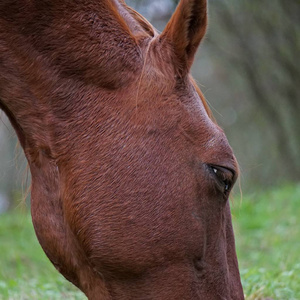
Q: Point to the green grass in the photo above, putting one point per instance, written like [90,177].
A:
[25,272]
[267,229]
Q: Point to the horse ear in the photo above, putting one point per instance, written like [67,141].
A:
[186,29]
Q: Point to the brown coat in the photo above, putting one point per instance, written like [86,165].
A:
[130,174]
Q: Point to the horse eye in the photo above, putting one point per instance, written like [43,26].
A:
[224,178]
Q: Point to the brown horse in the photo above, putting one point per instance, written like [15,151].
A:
[130,174]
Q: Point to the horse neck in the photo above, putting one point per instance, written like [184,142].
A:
[52,61]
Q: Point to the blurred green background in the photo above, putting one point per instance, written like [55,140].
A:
[248,69]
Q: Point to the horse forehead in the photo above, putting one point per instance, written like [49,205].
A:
[177,116]
[202,132]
